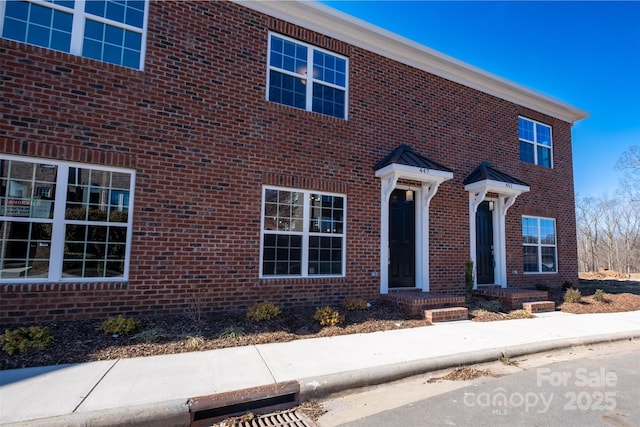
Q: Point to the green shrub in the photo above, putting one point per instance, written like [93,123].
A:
[327,316]
[231,333]
[468,276]
[263,311]
[119,325]
[354,304]
[24,340]
[572,295]
[195,342]
[599,296]
[150,335]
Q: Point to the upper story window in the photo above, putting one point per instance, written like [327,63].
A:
[303,233]
[64,222]
[324,90]
[112,31]
[539,245]
[535,142]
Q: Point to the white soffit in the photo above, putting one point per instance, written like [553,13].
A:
[331,22]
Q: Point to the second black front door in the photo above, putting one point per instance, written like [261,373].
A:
[402,241]
[484,244]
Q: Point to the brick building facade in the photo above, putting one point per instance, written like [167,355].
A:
[200,161]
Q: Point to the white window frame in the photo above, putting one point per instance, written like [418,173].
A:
[309,78]
[541,245]
[79,19]
[59,222]
[305,233]
[535,142]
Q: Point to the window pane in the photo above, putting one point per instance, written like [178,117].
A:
[287,90]
[328,100]
[526,152]
[525,129]
[543,134]
[530,259]
[547,231]
[27,189]
[283,257]
[544,156]
[329,68]
[288,55]
[549,259]
[325,255]
[529,230]
[24,249]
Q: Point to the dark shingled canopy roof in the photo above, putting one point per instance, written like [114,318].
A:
[486,171]
[404,155]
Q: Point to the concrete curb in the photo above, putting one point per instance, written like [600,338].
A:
[174,413]
[322,386]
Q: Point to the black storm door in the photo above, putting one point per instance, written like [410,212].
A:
[484,244]
[402,241]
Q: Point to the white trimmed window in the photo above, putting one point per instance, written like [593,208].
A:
[539,245]
[324,90]
[535,142]
[64,221]
[112,31]
[303,233]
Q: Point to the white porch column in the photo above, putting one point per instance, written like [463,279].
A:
[428,190]
[387,186]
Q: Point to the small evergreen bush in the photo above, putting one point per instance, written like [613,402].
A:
[263,311]
[354,304]
[572,295]
[119,325]
[24,340]
[599,296]
[327,316]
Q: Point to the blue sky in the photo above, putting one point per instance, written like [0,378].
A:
[586,54]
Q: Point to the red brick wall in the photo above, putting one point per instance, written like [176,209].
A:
[197,129]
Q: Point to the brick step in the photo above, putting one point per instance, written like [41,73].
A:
[539,306]
[449,314]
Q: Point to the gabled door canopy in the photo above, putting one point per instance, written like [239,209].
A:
[404,163]
[486,179]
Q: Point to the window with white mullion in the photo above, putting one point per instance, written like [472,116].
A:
[61,221]
[306,77]
[539,245]
[302,233]
[109,31]
[535,142]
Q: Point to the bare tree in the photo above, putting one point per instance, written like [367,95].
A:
[629,163]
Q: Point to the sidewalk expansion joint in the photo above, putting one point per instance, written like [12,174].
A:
[84,398]
[273,377]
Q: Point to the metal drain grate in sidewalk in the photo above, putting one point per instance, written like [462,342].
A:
[289,418]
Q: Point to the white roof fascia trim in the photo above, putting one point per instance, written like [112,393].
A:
[331,22]
[498,187]
[414,173]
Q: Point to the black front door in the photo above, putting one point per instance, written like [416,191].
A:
[402,241]
[484,244]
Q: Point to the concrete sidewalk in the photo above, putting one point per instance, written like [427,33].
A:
[155,390]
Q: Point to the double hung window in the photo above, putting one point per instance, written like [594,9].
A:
[61,221]
[112,31]
[303,233]
[539,245]
[290,81]
[535,142]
